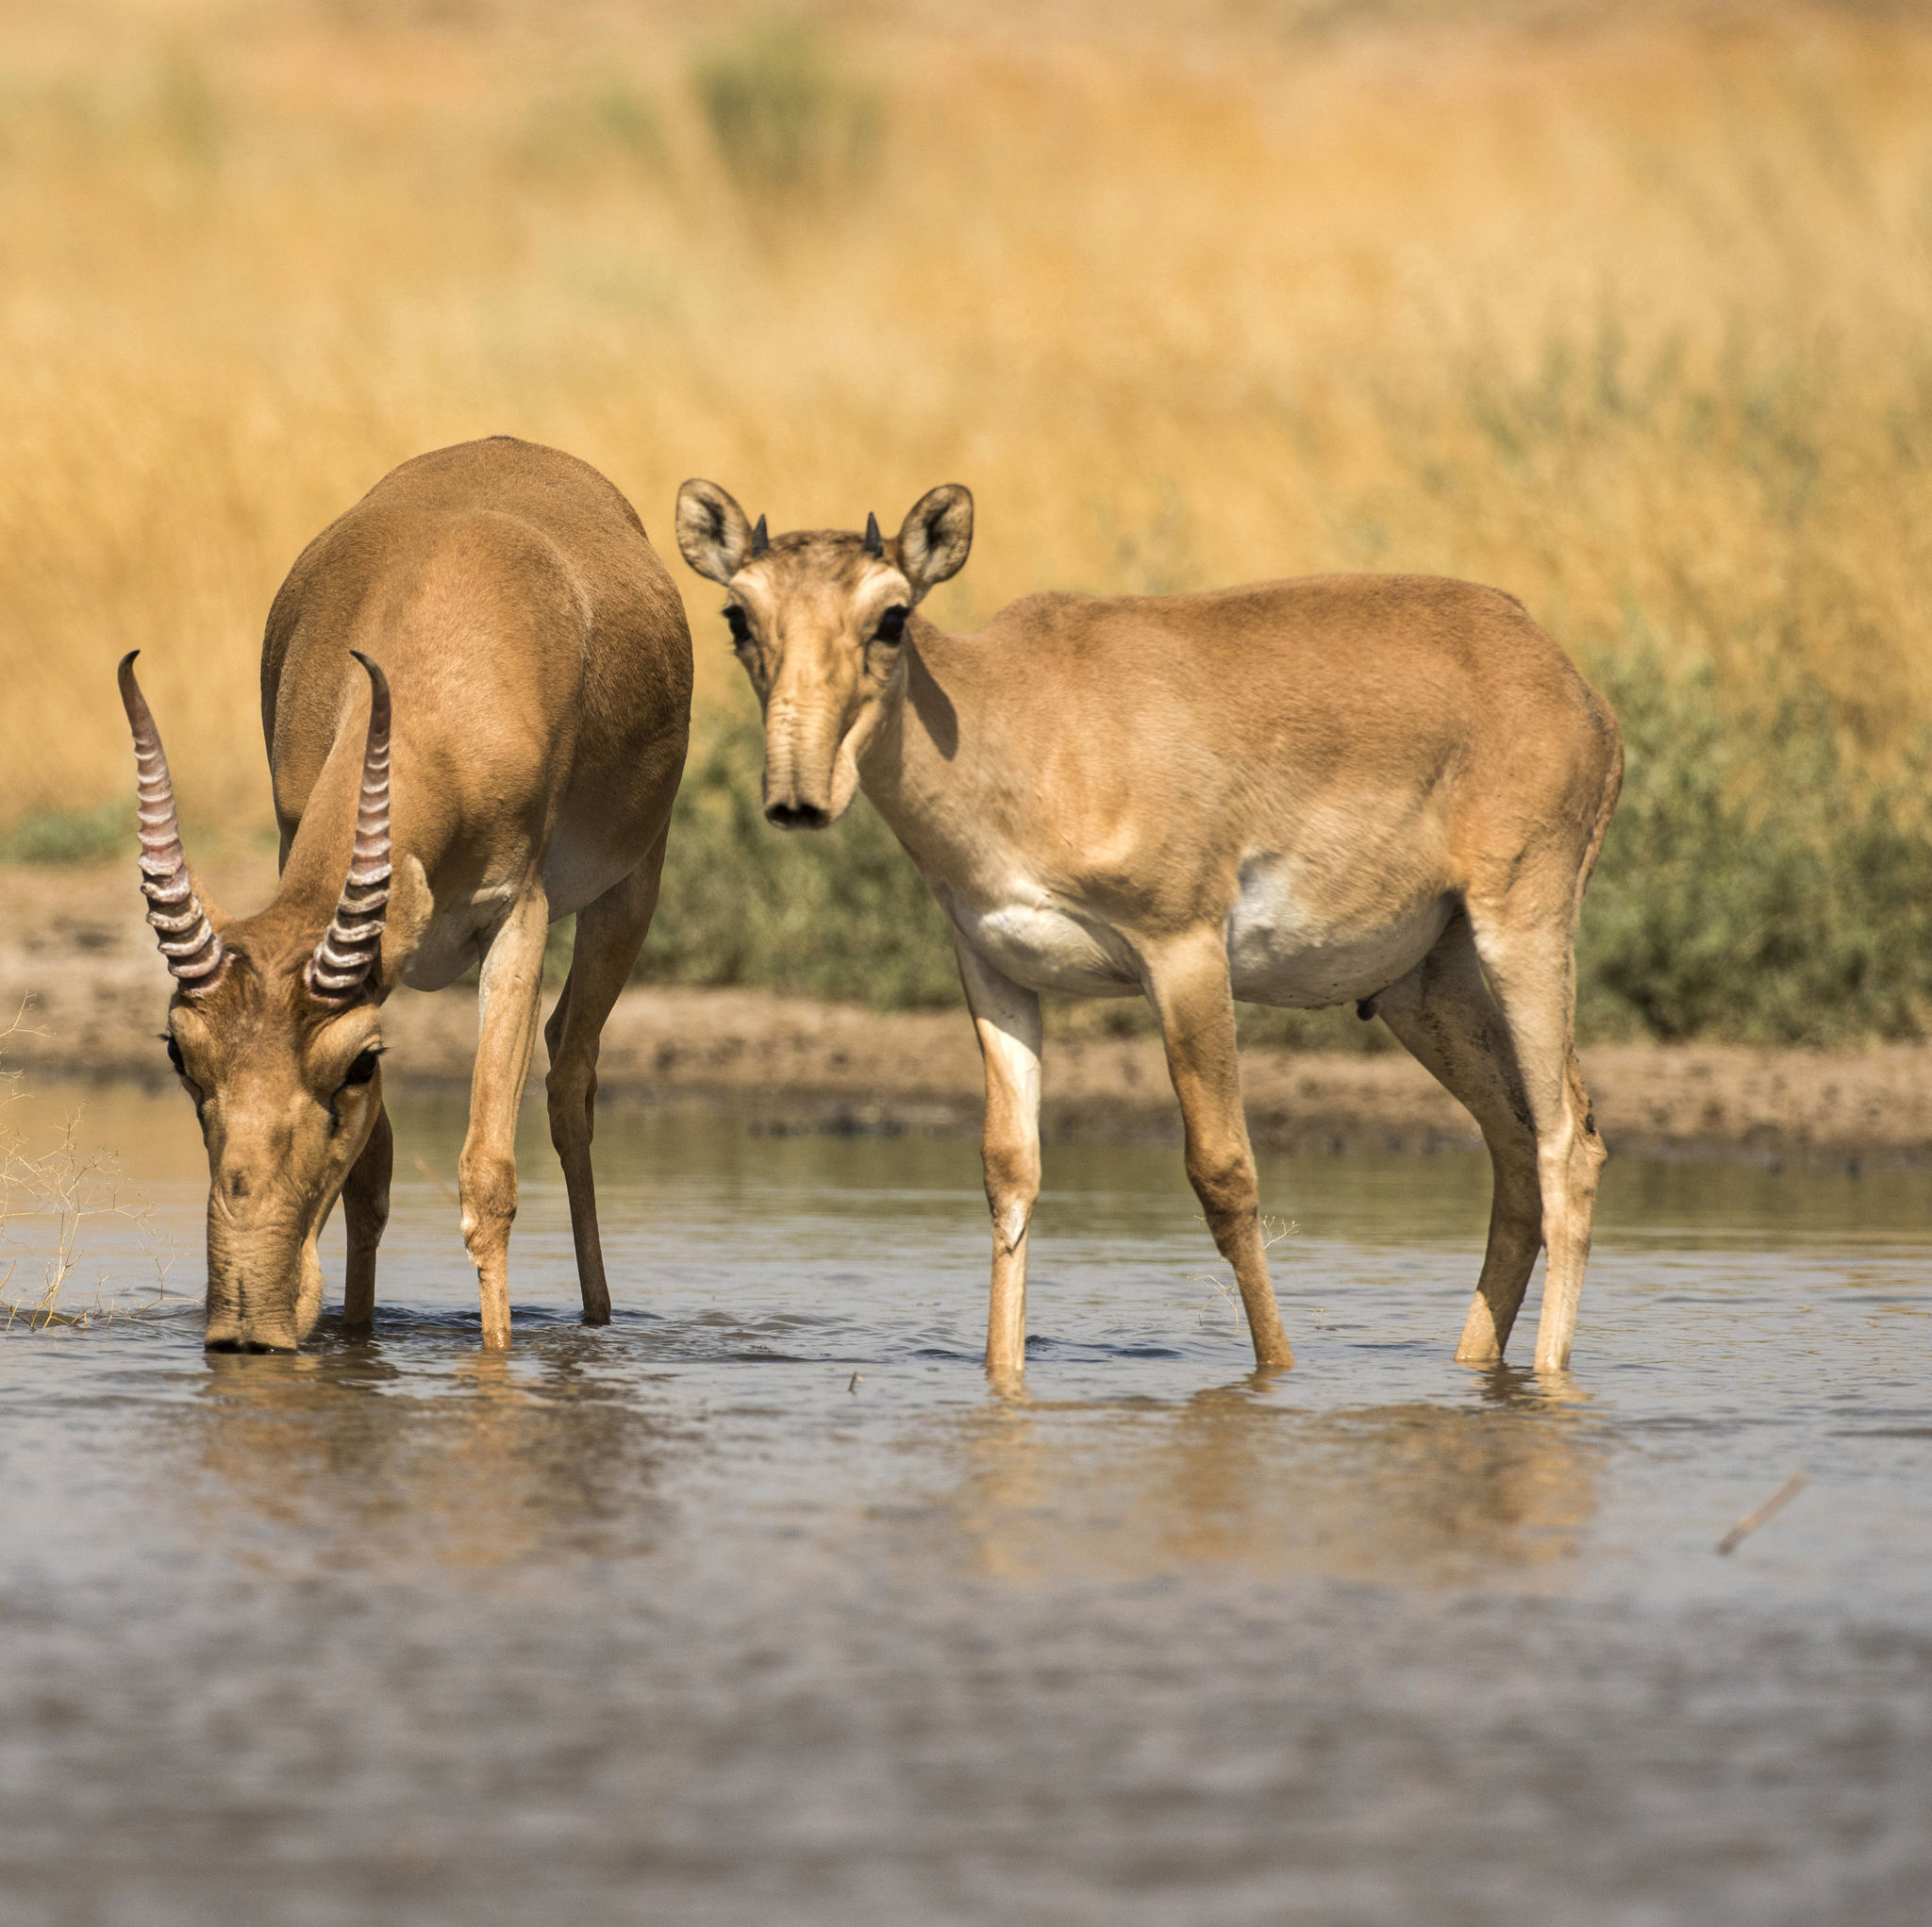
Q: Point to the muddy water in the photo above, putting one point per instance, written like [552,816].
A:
[755,1607]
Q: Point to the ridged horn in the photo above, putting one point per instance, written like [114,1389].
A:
[875,542]
[188,939]
[761,542]
[351,944]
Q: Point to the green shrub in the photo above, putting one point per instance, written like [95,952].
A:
[189,113]
[84,835]
[575,132]
[783,117]
[1751,885]
[838,913]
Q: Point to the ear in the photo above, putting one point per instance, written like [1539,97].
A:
[712,531]
[934,539]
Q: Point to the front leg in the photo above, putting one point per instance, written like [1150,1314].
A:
[1187,983]
[366,1208]
[1006,1017]
[507,1000]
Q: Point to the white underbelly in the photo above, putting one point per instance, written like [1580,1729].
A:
[1286,947]
[1047,947]
[1283,946]
[456,937]
[458,931]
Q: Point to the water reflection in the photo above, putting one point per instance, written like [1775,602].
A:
[493,1461]
[1415,1492]
[350,1457]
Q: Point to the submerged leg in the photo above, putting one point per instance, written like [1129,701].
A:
[1531,966]
[365,1212]
[1444,1012]
[610,933]
[1006,1017]
[1188,986]
[511,986]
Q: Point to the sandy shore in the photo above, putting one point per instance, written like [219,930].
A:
[75,944]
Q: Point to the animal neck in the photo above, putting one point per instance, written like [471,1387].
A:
[911,769]
[317,863]
[318,858]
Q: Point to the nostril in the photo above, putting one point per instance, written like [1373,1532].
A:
[797,816]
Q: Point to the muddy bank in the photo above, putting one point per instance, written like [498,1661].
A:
[77,947]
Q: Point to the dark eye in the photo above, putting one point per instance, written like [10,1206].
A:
[741,629]
[362,1070]
[892,625]
[174,1057]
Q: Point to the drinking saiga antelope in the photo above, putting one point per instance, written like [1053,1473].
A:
[476,687]
[1388,790]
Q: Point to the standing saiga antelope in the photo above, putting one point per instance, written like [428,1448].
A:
[476,687]
[1381,789]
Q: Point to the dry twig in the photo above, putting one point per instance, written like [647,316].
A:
[1768,1510]
[59,1192]
[1225,1291]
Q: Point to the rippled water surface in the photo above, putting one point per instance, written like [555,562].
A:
[756,1607]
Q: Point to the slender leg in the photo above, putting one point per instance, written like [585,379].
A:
[610,933]
[1444,1012]
[1188,983]
[1531,966]
[365,1210]
[1006,1017]
[506,1031]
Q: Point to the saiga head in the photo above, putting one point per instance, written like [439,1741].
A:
[818,618]
[275,1032]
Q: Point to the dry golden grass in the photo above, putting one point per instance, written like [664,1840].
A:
[1626,309]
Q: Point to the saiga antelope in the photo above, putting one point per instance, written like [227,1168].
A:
[508,757]
[1385,790]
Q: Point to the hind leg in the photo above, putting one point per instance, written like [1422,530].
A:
[1528,955]
[610,933]
[1444,1013]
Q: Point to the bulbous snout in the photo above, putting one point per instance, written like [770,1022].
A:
[801,745]
[264,1291]
[252,1321]
[807,784]
[797,816]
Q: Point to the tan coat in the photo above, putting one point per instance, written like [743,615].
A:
[1381,789]
[534,659]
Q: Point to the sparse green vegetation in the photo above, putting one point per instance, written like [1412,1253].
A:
[73,836]
[580,132]
[1752,887]
[188,109]
[783,115]
[839,914]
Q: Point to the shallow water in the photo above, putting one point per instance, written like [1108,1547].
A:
[756,1607]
